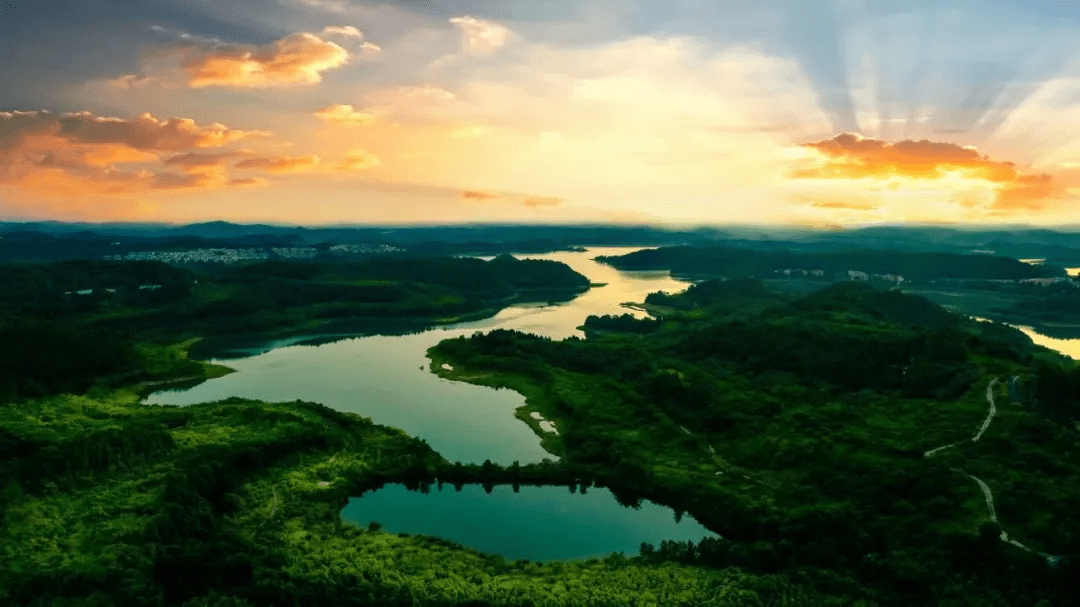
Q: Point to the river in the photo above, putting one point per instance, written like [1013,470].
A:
[386,378]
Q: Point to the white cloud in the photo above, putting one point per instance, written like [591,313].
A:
[480,37]
[346,30]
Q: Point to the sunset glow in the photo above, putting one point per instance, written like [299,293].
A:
[347,111]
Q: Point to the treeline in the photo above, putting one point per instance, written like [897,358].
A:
[798,434]
[41,359]
[49,291]
[736,262]
[1059,305]
[498,277]
[55,340]
[625,323]
[713,292]
[407,286]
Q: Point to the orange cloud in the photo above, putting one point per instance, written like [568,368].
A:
[480,195]
[249,182]
[851,205]
[195,161]
[358,160]
[73,157]
[851,156]
[187,181]
[280,164]
[344,114]
[107,155]
[299,59]
[541,201]
[144,132]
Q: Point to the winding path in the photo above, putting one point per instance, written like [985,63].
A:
[986,423]
[993,410]
[988,495]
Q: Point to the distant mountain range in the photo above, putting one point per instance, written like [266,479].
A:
[58,240]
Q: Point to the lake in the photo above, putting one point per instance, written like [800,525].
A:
[385,377]
[539,523]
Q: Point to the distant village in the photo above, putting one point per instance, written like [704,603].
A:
[857,275]
[850,274]
[229,256]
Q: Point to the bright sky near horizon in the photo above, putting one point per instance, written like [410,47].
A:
[813,112]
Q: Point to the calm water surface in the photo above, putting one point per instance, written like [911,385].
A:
[386,378]
[539,523]
[1068,347]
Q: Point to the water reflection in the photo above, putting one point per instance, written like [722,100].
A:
[385,377]
[1068,347]
[539,523]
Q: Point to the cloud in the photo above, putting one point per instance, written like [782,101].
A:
[185,36]
[333,6]
[193,160]
[280,164]
[469,132]
[129,81]
[369,50]
[358,160]
[187,181]
[345,114]
[525,200]
[851,156]
[249,182]
[144,132]
[347,31]
[480,37]
[541,201]
[479,195]
[844,204]
[299,59]
[84,159]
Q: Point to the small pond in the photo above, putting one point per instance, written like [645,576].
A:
[538,523]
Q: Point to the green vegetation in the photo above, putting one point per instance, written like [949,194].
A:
[795,428]
[798,434]
[724,260]
[59,341]
[108,502]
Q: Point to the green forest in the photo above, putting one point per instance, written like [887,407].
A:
[812,419]
[804,432]
[738,262]
[57,340]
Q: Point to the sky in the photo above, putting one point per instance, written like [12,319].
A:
[817,113]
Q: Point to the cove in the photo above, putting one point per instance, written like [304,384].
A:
[386,377]
[538,524]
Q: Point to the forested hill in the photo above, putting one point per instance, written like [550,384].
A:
[806,434]
[67,326]
[735,262]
